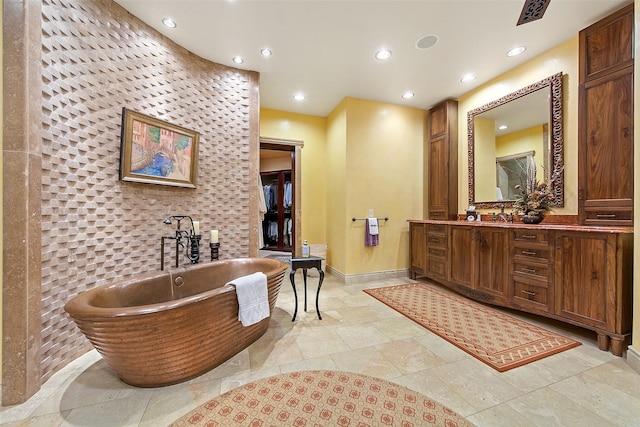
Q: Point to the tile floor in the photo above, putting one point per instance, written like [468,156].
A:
[579,387]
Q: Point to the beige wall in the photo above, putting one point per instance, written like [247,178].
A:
[311,130]
[364,155]
[336,208]
[384,151]
[280,163]
[563,58]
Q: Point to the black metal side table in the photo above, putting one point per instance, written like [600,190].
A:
[305,264]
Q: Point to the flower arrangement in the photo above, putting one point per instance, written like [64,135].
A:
[535,197]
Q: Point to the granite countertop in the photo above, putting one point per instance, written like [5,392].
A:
[521,225]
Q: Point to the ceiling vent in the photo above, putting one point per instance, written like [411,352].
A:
[533,10]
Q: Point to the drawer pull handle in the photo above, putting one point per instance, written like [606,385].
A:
[528,270]
[606,215]
[434,240]
[530,253]
[528,293]
[528,236]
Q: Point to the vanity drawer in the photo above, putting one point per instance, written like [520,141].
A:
[436,229]
[540,272]
[532,294]
[539,253]
[539,236]
[612,216]
[438,240]
[435,252]
[436,267]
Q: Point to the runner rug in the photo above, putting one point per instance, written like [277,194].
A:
[321,398]
[499,340]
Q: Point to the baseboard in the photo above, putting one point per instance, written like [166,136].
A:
[350,279]
[633,359]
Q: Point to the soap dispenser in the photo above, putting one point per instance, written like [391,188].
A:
[305,249]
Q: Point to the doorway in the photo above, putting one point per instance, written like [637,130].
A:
[280,222]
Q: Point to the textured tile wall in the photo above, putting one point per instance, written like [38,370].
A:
[96,59]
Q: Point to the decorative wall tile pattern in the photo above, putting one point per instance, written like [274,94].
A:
[97,59]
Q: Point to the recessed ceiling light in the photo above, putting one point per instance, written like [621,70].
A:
[468,78]
[238,59]
[169,22]
[408,95]
[266,52]
[502,127]
[298,97]
[516,51]
[383,54]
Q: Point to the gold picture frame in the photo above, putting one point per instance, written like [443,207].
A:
[153,151]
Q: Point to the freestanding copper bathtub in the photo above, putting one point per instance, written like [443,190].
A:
[165,327]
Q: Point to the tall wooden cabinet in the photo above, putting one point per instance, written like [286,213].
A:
[605,128]
[442,161]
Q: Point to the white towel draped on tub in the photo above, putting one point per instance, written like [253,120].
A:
[253,298]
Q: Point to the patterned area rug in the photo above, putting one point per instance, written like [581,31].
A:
[321,398]
[501,341]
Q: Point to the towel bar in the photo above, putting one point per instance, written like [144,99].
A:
[386,218]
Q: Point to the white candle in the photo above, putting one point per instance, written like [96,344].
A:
[196,227]
[214,236]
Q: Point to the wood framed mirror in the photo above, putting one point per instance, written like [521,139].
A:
[534,131]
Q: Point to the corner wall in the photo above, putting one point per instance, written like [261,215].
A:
[90,60]
[336,208]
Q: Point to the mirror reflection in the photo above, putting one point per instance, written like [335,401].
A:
[513,136]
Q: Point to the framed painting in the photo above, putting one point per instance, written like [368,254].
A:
[153,151]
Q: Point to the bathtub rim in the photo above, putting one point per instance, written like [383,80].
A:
[80,306]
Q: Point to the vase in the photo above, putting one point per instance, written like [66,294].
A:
[532,218]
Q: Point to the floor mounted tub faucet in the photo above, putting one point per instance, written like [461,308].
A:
[192,250]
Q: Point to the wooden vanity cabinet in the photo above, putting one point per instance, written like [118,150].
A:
[595,272]
[576,274]
[429,250]
[480,255]
[437,251]
[491,265]
[418,248]
[461,269]
[531,269]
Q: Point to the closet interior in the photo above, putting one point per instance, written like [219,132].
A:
[277,186]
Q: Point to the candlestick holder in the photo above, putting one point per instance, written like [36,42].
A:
[215,249]
[194,253]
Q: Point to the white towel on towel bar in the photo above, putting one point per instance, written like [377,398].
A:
[253,298]
[373,226]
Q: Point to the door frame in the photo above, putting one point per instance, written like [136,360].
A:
[295,147]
